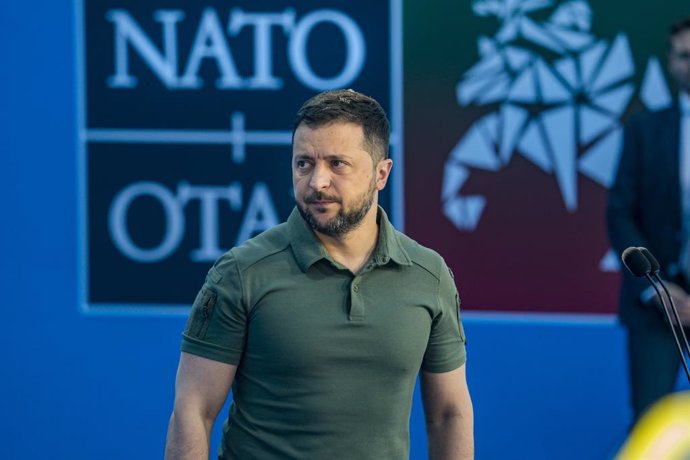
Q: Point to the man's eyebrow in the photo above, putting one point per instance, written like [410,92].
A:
[330,156]
[336,156]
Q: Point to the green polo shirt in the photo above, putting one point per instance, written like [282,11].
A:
[327,359]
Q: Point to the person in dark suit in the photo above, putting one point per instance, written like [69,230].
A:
[649,205]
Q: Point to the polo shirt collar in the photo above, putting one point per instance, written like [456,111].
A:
[388,246]
[308,249]
[305,246]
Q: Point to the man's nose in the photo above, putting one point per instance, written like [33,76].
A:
[320,177]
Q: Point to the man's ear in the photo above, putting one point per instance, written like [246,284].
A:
[383,171]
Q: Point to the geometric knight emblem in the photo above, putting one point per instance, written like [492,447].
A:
[558,94]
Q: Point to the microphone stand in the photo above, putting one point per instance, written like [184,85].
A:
[670,321]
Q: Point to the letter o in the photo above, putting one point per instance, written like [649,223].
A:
[354,42]
[174,225]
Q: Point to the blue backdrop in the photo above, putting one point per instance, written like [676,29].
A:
[78,386]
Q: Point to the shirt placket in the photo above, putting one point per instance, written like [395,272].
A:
[356,300]
[357,304]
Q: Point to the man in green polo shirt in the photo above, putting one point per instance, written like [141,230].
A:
[321,324]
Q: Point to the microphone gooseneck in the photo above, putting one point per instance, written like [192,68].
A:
[640,262]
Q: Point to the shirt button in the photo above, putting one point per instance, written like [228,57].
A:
[355,288]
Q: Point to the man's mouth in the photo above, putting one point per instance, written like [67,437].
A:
[320,200]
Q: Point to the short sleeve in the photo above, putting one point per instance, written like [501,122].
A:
[446,348]
[217,324]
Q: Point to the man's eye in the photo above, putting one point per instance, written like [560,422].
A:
[337,163]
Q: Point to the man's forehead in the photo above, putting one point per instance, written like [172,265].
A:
[340,139]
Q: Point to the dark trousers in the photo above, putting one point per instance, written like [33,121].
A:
[654,362]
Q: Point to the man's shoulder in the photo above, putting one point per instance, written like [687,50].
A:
[651,117]
[270,242]
[420,255]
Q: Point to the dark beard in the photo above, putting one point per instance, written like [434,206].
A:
[342,223]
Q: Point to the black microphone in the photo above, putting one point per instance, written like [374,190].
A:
[636,262]
[640,262]
[654,264]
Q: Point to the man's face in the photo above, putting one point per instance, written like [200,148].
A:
[335,180]
[679,60]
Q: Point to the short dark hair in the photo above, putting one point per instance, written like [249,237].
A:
[347,105]
[679,26]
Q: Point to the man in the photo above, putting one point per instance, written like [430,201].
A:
[649,205]
[322,323]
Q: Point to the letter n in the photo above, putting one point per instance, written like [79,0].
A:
[128,32]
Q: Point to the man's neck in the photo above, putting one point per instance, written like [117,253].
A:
[354,248]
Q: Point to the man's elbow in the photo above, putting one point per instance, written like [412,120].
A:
[458,413]
[187,414]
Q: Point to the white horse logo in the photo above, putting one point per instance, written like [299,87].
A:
[559,93]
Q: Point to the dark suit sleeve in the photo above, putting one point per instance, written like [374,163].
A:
[622,213]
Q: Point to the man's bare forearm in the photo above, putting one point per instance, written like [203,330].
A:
[452,438]
[188,438]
